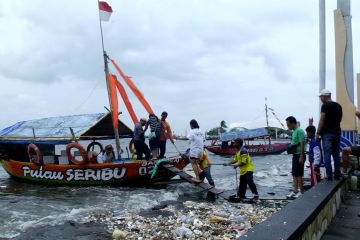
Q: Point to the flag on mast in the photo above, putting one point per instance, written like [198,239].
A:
[105,11]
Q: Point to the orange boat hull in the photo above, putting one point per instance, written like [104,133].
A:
[120,173]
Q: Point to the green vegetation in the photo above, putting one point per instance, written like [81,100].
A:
[215,131]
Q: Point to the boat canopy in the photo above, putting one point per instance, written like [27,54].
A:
[259,123]
[245,134]
[62,130]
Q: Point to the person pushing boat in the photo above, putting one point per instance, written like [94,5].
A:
[196,138]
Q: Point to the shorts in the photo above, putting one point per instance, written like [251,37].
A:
[154,144]
[355,150]
[297,169]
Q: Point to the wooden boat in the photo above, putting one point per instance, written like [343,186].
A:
[28,148]
[125,173]
[254,149]
[58,168]
[248,136]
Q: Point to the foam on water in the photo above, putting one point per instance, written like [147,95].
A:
[37,205]
[22,221]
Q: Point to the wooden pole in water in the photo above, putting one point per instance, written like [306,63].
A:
[106,70]
[267,120]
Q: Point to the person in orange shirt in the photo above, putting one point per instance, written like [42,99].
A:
[166,134]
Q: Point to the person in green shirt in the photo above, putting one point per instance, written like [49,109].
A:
[242,160]
[298,158]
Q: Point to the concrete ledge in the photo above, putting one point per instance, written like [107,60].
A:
[305,218]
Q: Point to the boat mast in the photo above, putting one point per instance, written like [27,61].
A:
[267,119]
[106,70]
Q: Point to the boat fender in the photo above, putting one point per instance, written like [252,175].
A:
[90,148]
[132,146]
[35,155]
[82,150]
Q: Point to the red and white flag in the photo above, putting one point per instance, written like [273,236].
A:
[105,11]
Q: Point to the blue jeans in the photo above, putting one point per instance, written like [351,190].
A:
[206,173]
[331,147]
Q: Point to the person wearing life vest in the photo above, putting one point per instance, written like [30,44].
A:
[243,160]
[107,155]
[205,168]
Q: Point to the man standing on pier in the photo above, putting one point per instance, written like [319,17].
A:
[329,132]
[298,159]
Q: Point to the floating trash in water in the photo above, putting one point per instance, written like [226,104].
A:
[119,213]
[118,234]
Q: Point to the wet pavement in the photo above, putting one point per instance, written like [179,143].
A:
[346,224]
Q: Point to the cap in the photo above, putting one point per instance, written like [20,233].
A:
[108,147]
[324,92]
[143,119]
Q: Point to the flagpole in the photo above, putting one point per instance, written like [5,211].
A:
[106,70]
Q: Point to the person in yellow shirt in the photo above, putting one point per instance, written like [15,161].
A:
[165,134]
[205,168]
[242,160]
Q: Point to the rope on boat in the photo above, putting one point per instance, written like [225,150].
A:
[160,162]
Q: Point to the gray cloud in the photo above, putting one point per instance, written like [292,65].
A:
[210,60]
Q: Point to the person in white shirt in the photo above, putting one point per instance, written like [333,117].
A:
[106,155]
[196,138]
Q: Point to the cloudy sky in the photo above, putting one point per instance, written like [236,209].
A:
[211,60]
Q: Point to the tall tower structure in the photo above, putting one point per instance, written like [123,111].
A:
[322,47]
[344,71]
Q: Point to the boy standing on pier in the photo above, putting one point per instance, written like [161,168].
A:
[298,158]
[315,155]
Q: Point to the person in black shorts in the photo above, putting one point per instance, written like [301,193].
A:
[298,158]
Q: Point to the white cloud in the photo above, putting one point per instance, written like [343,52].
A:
[204,59]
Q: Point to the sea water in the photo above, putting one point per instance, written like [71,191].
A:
[25,205]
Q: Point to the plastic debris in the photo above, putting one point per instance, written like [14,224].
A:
[217,219]
[118,234]
[184,232]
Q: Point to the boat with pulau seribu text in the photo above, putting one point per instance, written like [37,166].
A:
[29,150]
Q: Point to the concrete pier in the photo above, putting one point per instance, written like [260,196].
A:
[346,224]
[326,211]
[308,217]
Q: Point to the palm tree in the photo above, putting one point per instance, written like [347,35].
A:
[223,124]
